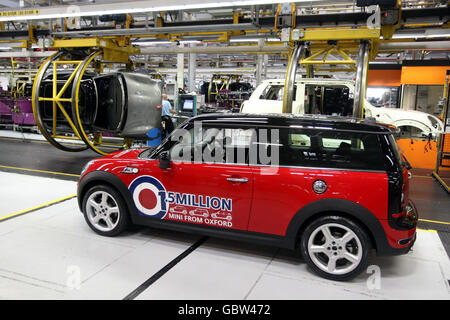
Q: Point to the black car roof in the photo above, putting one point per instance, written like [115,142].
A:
[307,121]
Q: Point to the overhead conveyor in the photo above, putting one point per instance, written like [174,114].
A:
[304,51]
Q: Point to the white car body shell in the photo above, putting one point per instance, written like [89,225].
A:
[424,122]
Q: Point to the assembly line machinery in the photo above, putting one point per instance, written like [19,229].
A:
[74,100]
[227,91]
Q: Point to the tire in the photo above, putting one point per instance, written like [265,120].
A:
[335,247]
[105,211]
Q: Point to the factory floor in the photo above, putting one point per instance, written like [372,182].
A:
[48,252]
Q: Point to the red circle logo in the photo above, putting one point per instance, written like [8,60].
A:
[147,199]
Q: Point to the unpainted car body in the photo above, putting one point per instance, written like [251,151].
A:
[268,98]
[127,104]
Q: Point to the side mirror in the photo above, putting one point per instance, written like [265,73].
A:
[164,160]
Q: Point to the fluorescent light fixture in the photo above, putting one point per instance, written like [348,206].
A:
[424,34]
[130,7]
[153,43]
[150,43]
[253,39]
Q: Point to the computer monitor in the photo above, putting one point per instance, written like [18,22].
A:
[188,105]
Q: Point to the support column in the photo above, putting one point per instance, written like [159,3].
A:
[311,107]
[259,64]
[180,71]
[265,66]
[309,67]
[191,71]
[361,80]
[180,67]
[180,78]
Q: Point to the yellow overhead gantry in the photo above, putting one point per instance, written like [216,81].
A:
[310,45]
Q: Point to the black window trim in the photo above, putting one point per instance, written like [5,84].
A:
[205,124]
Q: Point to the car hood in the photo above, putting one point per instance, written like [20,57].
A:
[397,115]
[125,154]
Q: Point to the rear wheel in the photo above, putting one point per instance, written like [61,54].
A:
[105,211]
[335,247]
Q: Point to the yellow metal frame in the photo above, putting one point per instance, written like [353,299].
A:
[57,100]
[339,34]
[320,58]
[97,139]
[74,119]
[19,89]
[223,80]
[112,51]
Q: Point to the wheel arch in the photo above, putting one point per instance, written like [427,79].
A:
[106,178]
[359,214]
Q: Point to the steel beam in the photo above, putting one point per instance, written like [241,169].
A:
[191,71]
[215,49]
[158,30]
[288,94]
[361,79]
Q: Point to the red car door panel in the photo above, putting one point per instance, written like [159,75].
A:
[278,197]
[216,195]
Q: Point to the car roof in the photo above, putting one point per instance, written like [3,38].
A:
[304,121]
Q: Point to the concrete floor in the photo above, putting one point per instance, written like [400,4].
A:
[50,253]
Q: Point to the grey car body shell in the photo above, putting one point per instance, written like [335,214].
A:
[143,104]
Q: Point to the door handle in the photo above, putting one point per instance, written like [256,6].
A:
[238,180]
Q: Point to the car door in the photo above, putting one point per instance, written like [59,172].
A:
[204,188]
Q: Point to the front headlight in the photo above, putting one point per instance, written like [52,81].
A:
[86,166]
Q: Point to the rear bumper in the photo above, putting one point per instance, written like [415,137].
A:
[400,232]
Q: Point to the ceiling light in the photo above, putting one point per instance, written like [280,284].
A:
[253,39]
[152,43]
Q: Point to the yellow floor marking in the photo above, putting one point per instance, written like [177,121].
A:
[42,141]
[440,222]
[426,230]
[36,207]
[42,171]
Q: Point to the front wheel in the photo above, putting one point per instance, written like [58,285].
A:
[335,247]
[105,211]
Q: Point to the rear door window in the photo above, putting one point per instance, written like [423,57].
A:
[275,92]
[328,99]
[331,149]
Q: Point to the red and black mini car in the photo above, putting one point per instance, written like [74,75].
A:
[334,188]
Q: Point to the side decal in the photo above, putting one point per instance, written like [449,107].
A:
[149,195]
[153,200]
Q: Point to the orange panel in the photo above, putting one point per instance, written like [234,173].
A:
[420,153]
[424,75]
[384,78]
[445,148]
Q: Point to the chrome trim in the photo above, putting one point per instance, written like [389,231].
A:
[240,180]
[268,166]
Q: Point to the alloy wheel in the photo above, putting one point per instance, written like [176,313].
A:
[335,249]
[102,211]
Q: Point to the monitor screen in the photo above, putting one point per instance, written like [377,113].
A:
[188,105]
